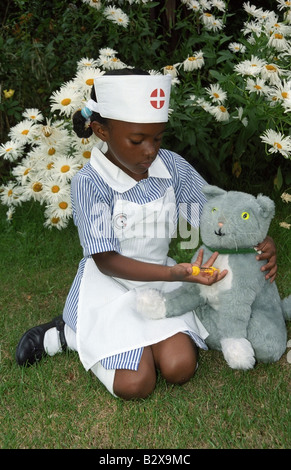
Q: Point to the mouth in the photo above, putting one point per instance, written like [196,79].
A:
[146,164]
[219,233]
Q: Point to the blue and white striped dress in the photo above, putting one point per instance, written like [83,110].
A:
[94,193]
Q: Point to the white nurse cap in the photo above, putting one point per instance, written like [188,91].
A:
[132,98]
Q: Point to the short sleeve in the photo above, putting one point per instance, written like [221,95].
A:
[92,216]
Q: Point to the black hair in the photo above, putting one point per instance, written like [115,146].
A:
[80,124]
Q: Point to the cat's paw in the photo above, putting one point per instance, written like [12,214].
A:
[150,303]
[238,353]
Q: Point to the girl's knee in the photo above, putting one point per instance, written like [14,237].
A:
[179,370]
[132,385]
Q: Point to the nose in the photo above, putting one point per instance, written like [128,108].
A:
[220,224]
[149,150]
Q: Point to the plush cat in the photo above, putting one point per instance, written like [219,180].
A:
[243,312]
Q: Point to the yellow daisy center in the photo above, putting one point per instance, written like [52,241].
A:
[258,87]
[66,101]
[87,154]
[284,94]
[222,109]
[55,188]
[271,68]
[26,171]
[37,187]
[279,146]
[55,220]
[191,58]
[216,95]
[63,205]
[10,192]
[65,168]
[278,36]
[50,165]
[90,81]
[52,151]
[25,132]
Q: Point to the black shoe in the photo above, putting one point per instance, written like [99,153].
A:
[30,348]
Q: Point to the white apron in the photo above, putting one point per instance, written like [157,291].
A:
[108,322]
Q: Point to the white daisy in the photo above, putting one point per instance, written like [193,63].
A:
[33,114]
[193,5]
[283,4]
[61,208]
[55,190]
[107,52]
[278,142]
[11,194]
[237,47]
[23,131]
[65,168]
[196,61]
[283,90]
[219,4]
[97,4]
[116,15]
[286,197]
[11,150]
[53,220]
[278,42]
[84,79]
[250,67]
[10,213]
[171,70]
[216,93]
[85,62]
[114,63]
[220,113]
[66,100]
[33,189]
[21,171]
[271,73]
[258,86]
[252,27]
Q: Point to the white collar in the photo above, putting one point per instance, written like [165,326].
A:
[117,178]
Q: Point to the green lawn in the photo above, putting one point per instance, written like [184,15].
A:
[57,404]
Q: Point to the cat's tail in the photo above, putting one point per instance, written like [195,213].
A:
[286,303]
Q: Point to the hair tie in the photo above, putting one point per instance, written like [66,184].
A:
[86,112]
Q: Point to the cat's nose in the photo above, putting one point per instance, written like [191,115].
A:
[220,224]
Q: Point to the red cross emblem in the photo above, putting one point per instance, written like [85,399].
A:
[158,98]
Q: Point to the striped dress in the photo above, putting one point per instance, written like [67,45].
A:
[93,197]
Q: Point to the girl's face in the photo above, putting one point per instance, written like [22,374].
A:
[132,147]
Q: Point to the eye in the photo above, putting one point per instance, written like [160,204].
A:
[214,210]
[245,215]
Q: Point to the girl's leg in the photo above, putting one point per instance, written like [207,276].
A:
[176,357]
[130,384]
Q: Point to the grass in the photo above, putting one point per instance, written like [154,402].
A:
[58,405]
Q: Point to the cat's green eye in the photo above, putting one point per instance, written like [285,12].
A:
[214,210]
[245,215]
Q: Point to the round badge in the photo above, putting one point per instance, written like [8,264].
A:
[157,98]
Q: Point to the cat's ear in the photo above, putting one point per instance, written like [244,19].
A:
[212,191]
[267,206]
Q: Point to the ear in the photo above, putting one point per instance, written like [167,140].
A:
[212,191]
[100,130]
[267,206]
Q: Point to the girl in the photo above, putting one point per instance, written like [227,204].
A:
[126,204]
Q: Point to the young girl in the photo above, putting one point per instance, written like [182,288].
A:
[126,204]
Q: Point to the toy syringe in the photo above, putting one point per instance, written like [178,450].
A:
[211,270]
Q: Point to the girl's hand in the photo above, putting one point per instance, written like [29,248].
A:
[268,249]
[183,271]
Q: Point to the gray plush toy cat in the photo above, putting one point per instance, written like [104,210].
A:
[243,312]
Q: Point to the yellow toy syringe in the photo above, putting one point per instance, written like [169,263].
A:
[211,270]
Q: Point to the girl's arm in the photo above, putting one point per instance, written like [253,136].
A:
[113,264]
